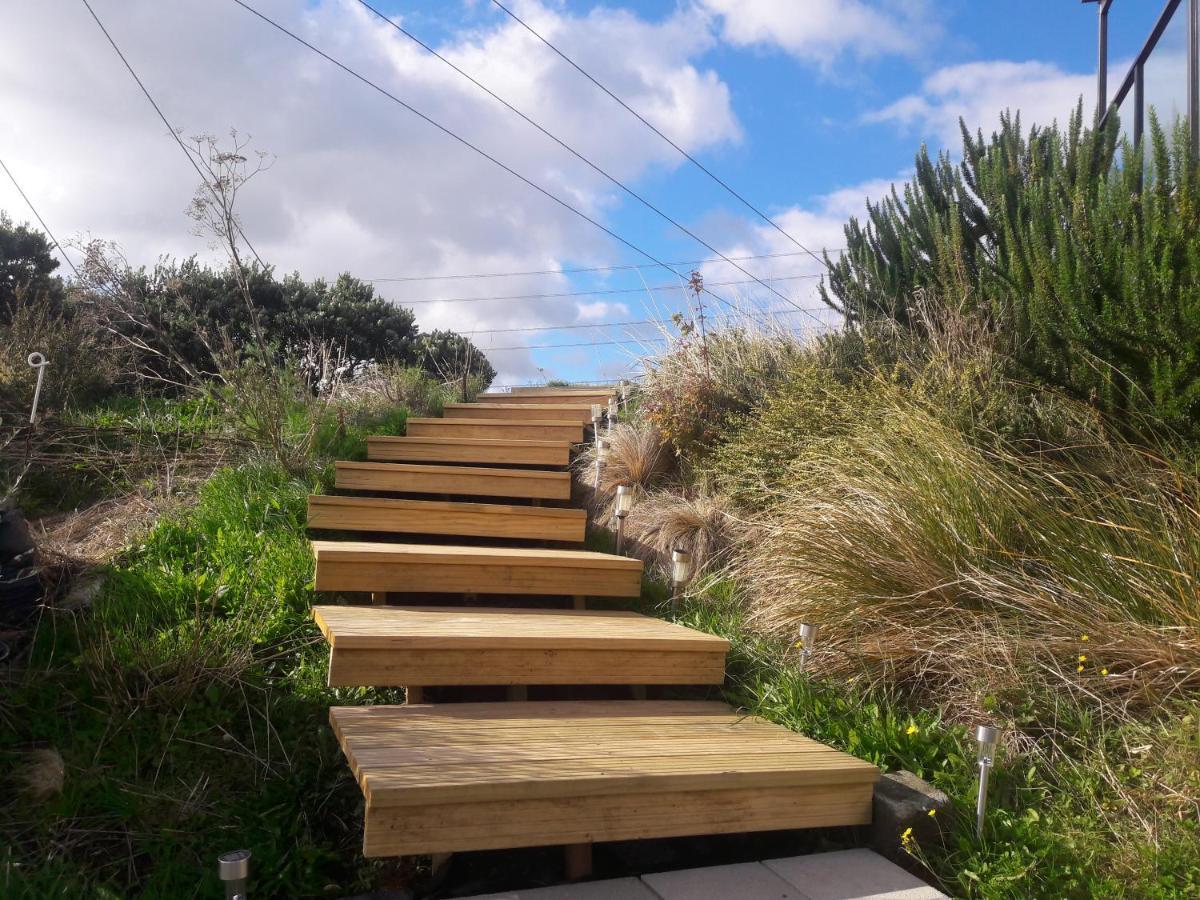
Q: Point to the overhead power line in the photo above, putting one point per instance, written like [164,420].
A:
[566,346]
[598,292]
[206,180]
[581,325]
[469,145]
[699,165]
[584,159]
[614,268]
[37,215]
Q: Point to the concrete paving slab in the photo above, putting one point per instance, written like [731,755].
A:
[613,889]
[851,875]
[744,881]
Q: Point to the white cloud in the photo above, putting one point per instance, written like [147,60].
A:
[601,310]
[819,31]
[359,184]
[979,92]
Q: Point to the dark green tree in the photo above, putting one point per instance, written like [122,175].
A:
[448,355]
[27,266]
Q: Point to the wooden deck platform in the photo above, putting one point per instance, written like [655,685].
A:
[522,412]
[480,451]
[555,430]
[490,520]
[427,646]
[463,481]
[409,568]
[476,776]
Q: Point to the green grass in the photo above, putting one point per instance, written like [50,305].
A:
[189,707]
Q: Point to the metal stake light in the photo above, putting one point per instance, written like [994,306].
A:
[601,459]
[234,869]
[808,641]
[623,506]
[987,737]
[612,413]
[597,415]
[39,362]
[681,574]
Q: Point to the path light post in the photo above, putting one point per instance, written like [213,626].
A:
[624,505]
[987,737]
[681,574]
[597,415]
[39,362]
[601,459]
[808,642]
[624,393]
[234,869]
[612,413]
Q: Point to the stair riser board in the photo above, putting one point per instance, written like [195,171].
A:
[442,450]
[544,399]
[428,668]
[453,827]
[487,428]
[457,519]
[521,412]
[466,578]
[401,479]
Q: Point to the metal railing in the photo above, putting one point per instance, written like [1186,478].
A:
[1135,78]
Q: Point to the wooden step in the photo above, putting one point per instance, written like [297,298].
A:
[541,399]
[385,448]
[521,412]
[407,568]
[490,520]
[480,776]
[405,478]
[556,430]
[424,646]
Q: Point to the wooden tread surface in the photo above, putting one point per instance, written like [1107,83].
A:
[489,775]
[412,478]
[494,520]
[492,451]
[552,430]
[521,412]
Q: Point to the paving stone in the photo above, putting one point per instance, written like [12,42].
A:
[614,889]
[745,881]
[851,875]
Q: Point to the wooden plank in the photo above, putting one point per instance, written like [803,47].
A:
[490,451]
[521,412]
[406,568]
[488,776]
[396,516]
[541,399]
[405,478]
[556,430]
[476,646]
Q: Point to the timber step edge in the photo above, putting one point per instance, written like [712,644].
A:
[552,430]
[489,520]
[405,478]
[490,451]
[521,412]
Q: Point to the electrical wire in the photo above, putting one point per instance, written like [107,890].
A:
[762,215]
[471,146]
[585,160]
[486,350]
[37,215]
[580,325]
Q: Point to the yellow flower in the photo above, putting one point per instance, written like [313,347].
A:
[1080,669]
[932,813]
[1083,637]
[1104,672]
[912,729]
[799,645]
[1082,658]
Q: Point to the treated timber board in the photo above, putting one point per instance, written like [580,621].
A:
[438,517]
[386,448]
[556,430]
[408,568]
[397,646]
[521,412]
[411,478]
[488,776]
[542,399]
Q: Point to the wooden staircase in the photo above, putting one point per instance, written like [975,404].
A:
[442,778]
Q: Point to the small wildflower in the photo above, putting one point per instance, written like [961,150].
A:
[912,729]
[932,813]
[906,840]
[799,645]
[1083,637]
[1080,669]
[1082,658]
[1104,672]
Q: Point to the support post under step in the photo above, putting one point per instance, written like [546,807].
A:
[578,861]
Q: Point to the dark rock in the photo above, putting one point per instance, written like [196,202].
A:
[904,801]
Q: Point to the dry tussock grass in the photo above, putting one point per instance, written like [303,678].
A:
[698,523]
[637,456]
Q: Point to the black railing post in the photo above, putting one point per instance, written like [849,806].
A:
[1193,92]
[1102,70]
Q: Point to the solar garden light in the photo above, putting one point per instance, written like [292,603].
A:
[624,505]
[987,736]
[597,415]
[601,459]
[234,869]
[808,641]
[39,362]
[624,392]
[681,573]
[612,413]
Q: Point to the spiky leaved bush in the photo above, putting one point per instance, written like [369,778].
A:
[1091,269]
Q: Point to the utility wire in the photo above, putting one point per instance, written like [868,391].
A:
[585,160]
[37,215]
[600,291]
[758,212]
[468,144]
[615,268]
[579,325]
[206,180]
[486,350]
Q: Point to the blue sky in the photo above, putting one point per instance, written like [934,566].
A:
[804,106]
